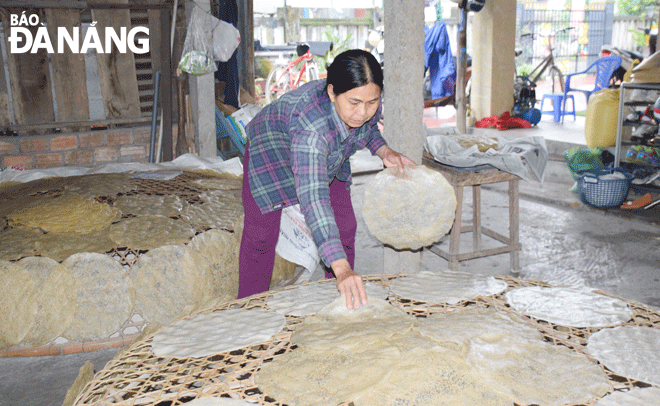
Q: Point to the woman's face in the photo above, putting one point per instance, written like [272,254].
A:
[358,105]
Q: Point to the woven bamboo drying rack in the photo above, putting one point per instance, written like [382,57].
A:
[182,186]
[136,376]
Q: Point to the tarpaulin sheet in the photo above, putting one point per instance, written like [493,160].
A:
[439,61]
[518,156]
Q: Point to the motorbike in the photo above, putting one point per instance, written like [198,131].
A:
[628,58]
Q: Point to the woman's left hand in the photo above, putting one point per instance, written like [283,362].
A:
[392,158]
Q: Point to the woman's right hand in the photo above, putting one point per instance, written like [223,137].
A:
[349,284]
[392,158]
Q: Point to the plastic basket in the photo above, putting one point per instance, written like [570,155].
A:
[603,193]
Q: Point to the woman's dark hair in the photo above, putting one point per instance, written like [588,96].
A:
[354,68]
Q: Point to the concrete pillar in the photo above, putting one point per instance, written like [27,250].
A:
[493,58]
[202,92]
[403,99]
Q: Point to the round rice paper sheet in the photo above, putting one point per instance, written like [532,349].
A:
[16,243]
[512,357]
[18,303]
[446,286]
[311,378]
[220,248]
[33,187]
[574,306]
[430,377]
[56,301]
[22,194]
[478,324]
[103,303]
[149,232]
[404,368]
[215,332]
[223,197]
[303,300]
[100,184]
[220,183]
[60,246]
[150,205]
[15,203]
[213,215]
[336,326]
[169,279]
[634,397]
[631,351]
[69,213]
[410,210]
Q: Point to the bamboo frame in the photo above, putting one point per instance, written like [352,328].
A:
[137,376]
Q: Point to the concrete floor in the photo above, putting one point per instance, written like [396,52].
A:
[564,242]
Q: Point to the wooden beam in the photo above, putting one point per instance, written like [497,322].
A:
[82,5]
[87,123]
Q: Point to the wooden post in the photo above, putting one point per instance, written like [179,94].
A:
[202,92]
[5,112]
[155,19]
[246,47]
[181,143]
[166,83]
[460,72]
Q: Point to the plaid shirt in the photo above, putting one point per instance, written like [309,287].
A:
[297,146]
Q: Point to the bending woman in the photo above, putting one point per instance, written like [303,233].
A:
[298,151]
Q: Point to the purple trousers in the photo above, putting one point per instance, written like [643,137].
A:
[260,233]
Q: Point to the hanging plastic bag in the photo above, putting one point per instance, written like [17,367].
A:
[225,40]
[243,116]
[197,56]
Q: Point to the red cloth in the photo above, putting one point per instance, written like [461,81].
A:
[506,121]
[486,122]
[503,122]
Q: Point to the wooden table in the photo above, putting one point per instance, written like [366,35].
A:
[475,177]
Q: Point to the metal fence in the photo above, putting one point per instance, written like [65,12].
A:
[576,36]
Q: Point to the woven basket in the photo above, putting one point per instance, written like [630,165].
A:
[600,192]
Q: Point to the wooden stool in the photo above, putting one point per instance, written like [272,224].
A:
[475,177]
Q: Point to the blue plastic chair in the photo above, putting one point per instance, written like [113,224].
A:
[604,68]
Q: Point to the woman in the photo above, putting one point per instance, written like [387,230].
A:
[298,151]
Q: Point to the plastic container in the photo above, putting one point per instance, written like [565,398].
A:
[604,188]
[601,119]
